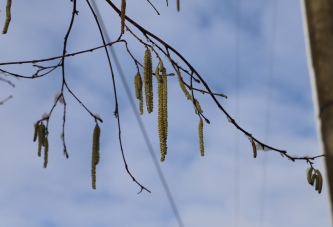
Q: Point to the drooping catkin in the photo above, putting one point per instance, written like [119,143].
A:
[254,148]
[197,104]
[41,138]
[188,95]
[122,15]
[157,73]
[163,113]
[165,101]
[95,154]
[182,86]
[8,17]
[46,152]
[178,5]
[36,126]
[138,90]
[148,80]
[161,65]
[201,140]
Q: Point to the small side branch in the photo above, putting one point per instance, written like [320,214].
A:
[116,112]
[6,99]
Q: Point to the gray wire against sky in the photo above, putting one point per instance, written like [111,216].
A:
[237,115]
[268,112]
[141,125]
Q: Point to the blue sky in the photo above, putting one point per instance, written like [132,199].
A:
[204,188]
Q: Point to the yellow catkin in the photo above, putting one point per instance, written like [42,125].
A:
[36,126]
[8,17]
[138,90]
[41,138]
[201,139]
[122,15]
[161,65]
[137,85]
[157,73]
[182,86]
[163,113]
[95,154]
[141,105]
[188,95]
[148,80]
[46,152]
[254,148]
[197,104]
[165,101]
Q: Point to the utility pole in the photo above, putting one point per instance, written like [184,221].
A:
[319,17]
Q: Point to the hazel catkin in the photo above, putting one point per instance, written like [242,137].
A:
[122,15]
[138,90]
[163,113]
[148,80]
[95,154]
[8,17]
[46,152]
[201,139]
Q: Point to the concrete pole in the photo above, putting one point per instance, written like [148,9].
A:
[319,17]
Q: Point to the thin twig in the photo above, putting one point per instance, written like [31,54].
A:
[74,12]
[116,112]
[7,81]
[6,99]
[153,7]
[148,34]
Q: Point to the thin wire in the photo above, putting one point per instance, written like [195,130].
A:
[141,125]
[268,112]
[237,115]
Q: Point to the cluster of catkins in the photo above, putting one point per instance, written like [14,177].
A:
[162,90]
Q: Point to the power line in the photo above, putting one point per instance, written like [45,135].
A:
[268,112]
[237,114]
[141,125]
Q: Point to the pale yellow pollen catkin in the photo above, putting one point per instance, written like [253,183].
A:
[8,17]
[197,104]
[46,152]
[161,65]
[165,101]
[157,73]
[254,148]
[137,85]
[188,95]
[201,139]
[138,90]
[41,138]
[148,80]
[36,126]
[182,86]
[95,154]
[163,113]
[122,15]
